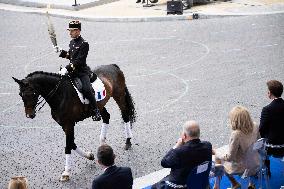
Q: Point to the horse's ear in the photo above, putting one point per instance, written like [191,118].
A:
[18,81]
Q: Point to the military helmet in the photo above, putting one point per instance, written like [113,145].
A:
[74,24]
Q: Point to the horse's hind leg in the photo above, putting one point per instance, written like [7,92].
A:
[82,153]
[125,116]
[105,116]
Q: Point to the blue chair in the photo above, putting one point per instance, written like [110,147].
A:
[199,176]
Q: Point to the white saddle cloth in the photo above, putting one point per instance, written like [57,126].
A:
[99,89]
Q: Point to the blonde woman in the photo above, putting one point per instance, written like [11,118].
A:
[18,182]
[234,155]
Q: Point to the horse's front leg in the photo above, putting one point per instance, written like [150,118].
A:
[70,145]
[69,136]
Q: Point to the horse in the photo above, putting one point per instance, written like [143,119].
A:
[67,109]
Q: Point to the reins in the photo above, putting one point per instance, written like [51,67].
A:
[49,95]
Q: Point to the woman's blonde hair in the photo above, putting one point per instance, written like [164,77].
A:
[240,120]
[18,182]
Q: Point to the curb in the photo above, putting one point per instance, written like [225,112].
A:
[150,178]
[128,19]
[55,6]
[186,16]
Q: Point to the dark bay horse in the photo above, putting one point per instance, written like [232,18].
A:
[67,109]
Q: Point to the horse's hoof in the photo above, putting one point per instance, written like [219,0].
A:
[127,146]
[90,156]
[64,178]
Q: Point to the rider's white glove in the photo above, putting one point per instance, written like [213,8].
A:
[57,49]
[63,71]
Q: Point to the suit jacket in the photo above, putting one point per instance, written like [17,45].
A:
[114,178]
[184,158]
[272,122]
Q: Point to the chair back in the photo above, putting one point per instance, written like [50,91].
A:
[253,158]
[198,178]
[260,145]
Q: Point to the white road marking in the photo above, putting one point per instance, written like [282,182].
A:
[231,50]
[179,67]
[36,59]
[131,85]
[20,46]
[12,106]
[54,127]
[260,46]
[7,83]
[197,60]
[175,100]
[268,45]
[136,40]
[7,93]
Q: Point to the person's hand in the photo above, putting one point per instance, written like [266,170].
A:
[63,71]
[57,49]
[179,143]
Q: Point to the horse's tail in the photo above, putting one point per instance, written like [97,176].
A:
[130,106]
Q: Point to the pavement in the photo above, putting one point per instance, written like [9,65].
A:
[128,10]
[203,61]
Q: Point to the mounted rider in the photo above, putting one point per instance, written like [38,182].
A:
[77,54]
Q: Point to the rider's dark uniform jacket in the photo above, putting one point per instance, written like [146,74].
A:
[77,54]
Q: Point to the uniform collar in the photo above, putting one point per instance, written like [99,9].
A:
[78,38]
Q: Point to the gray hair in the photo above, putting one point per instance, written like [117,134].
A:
[191,129]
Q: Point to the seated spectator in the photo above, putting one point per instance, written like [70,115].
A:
[233,156]
[113,176]
[18,182]
[187,153]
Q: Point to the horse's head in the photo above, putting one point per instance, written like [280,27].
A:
[29,96]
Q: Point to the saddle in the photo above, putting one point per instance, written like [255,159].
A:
[97,86]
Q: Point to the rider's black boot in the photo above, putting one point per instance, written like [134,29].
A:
[96,116]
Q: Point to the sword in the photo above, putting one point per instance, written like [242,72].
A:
[51,30]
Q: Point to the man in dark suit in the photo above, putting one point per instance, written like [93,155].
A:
[187,153]
[272,121]
[113,177]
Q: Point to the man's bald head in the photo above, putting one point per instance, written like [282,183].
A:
[191,129]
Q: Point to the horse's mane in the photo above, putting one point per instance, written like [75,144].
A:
[43,73]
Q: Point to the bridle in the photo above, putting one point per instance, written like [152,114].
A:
[49,95]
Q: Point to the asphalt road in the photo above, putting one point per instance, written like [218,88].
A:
[175,71]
